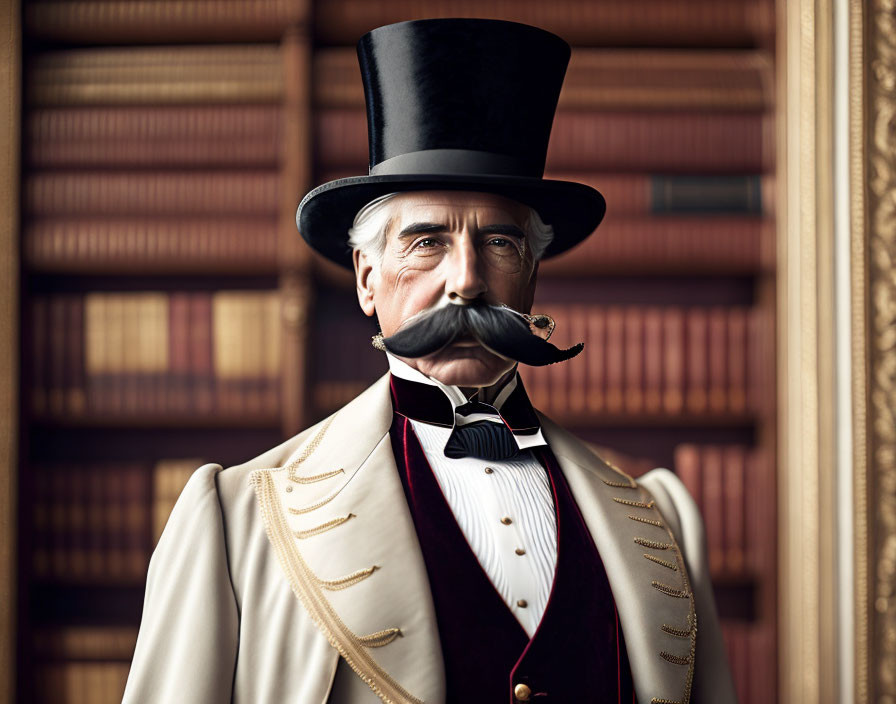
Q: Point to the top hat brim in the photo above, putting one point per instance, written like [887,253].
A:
[326,214]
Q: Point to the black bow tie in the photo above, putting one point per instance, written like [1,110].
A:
[478,429]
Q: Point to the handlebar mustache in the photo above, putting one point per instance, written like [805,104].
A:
[498,328]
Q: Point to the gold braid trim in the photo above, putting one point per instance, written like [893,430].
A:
[305,587]
[649,521]
[676,659]
[334,585]
[309,448]
[657,700]
[316,477]
[671,591]
[322,528]
[636,504]
[678,632]
[380,638]
[652,544]
[620,485]
[312,507]
[692,615]
[661,561]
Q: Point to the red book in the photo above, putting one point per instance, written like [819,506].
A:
[713,506]
[674,360]
[615,359]
[664,142]
[612,23]
[688,243]
[735,507]
[634,360]
[688,468]
[737,360]
[653,360]
[697,349]
[165,137]
[578,366]
[201,370]
[718,357]
[596,349]
[560,387]
[136,194]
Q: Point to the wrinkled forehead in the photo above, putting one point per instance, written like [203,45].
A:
[449,207]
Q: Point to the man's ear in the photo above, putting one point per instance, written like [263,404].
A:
[364,281]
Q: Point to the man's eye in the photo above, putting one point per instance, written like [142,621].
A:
[499,242]
[427,243]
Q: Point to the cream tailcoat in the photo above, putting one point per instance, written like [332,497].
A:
[298,577]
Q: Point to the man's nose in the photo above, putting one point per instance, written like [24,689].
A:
[464,280]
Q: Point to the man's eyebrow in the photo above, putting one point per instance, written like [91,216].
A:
[420,228]
[502,229]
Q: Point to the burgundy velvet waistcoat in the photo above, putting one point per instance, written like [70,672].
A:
[577,653]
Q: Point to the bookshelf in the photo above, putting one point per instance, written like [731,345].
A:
[173,316]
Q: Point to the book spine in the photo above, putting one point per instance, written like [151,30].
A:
[724,143]
[656,245]
[122,21]
[81,244]
[713,505]
[616,23]
[138,194]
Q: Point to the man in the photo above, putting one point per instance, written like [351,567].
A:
[437,539]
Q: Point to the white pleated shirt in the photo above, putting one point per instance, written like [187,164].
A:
[505,509]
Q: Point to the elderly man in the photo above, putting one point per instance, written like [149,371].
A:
[437,539]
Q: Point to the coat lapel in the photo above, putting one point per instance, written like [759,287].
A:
[337,517]
[644,566]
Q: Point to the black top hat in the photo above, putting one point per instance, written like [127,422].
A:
[457,104]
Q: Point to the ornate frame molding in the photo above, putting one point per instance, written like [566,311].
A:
[875,466]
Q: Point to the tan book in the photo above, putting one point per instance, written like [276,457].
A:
[272,352]
[156,75]
[120,326]
[130,311]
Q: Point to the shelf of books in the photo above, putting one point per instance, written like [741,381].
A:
[173,316]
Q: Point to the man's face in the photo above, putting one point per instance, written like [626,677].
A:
[457,246]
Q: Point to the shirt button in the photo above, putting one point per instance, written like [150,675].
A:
[507,520]
[522,693]
[520,551]
[522,603]
[489,470]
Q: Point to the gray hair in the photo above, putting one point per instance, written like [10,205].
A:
[368,231]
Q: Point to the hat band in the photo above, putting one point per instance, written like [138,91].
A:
[456,161]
